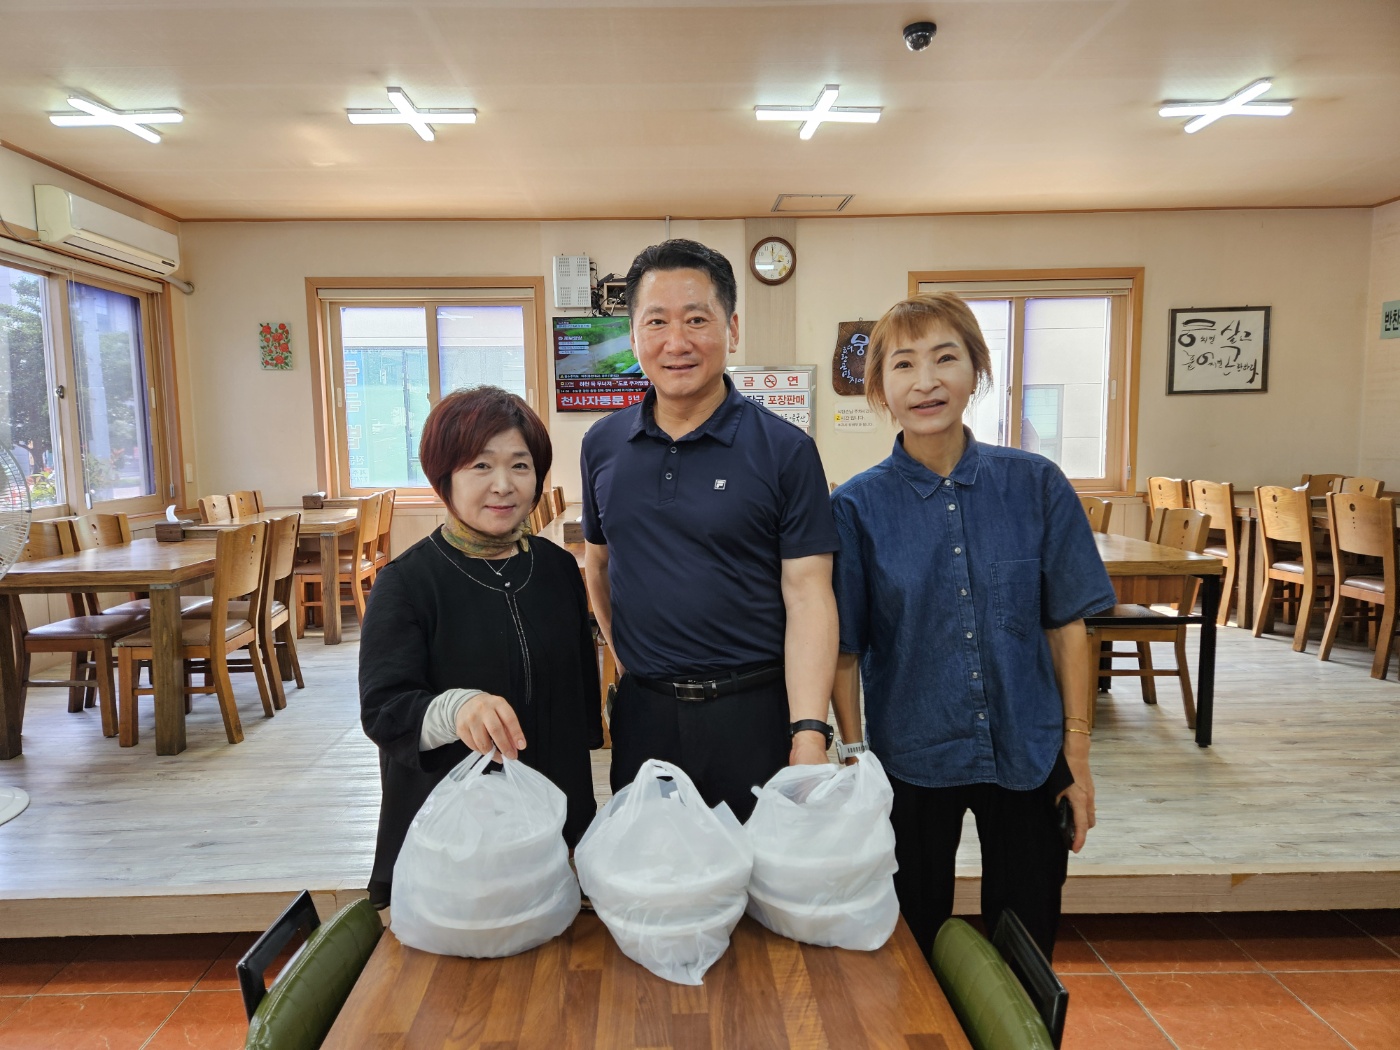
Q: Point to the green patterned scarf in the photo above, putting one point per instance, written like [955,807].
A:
[476,544]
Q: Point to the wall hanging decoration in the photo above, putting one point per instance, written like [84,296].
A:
[848,363]
[276,343]
[1219,350]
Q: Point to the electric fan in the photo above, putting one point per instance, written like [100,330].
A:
[14,531]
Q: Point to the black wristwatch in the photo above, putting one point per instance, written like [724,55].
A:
[814,724]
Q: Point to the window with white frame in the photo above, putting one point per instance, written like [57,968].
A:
[1063,351]
[394,353]
[78,376]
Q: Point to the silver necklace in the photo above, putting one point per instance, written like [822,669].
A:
[504,562]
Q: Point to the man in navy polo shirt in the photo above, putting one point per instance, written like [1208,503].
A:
[709,546]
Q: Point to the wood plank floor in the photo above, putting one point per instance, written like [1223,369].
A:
[1297,805]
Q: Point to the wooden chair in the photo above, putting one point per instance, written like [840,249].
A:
[1167,494]
[1363,526]
[1217,502]
[244,504]
[1185,529]
[1318,485]
[991,1006]
[238,572]
[382,556]
[1098,511]
[355,567]
[1373,487]
[556,497]
[1285,516]
[214,509]
[114,530]
[88,637]
[272,613]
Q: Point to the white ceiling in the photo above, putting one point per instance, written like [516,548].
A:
[645,108]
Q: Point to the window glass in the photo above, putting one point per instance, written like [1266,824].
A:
[986,415]
[481,345]
[27,429]
[109,379]
[387,393]
[1067,344]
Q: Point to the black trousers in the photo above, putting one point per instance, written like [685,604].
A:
[727,745]
[1024,859]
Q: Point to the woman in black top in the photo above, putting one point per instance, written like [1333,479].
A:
[478,636]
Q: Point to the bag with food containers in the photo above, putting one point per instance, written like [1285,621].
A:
[666,874]
[823,855]
[484,871]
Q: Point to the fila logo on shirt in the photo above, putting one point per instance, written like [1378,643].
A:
[719,484]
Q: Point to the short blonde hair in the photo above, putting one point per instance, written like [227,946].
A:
[910,320]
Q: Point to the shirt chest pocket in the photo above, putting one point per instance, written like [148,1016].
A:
[1016,587]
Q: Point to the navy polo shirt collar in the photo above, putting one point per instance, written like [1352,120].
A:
[723,424]
[924,481]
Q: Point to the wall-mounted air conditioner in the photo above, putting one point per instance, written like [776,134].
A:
[73,222]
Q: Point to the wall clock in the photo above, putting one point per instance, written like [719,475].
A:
[773,260]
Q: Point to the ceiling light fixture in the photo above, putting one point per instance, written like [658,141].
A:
[1240,104]
[404,112]
[820,112]
[96,115]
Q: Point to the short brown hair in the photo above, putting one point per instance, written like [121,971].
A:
[460,425]
[908,321]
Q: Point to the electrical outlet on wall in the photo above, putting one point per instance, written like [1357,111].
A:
[189,473]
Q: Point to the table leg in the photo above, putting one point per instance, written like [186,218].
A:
[1244,576]
[11,714]
[167,670]
[1205,674]
[330,588]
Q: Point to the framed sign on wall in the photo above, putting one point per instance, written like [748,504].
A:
[1219,350]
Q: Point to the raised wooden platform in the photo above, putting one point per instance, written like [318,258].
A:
[1296,806]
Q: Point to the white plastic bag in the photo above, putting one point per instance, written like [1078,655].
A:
[666,873]
[824,864]
[484,871]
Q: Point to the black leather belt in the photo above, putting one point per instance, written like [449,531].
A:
[713,688]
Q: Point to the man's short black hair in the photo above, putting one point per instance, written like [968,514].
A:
[682,254]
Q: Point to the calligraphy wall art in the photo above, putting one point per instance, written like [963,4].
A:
[1219,350]
[276,344]
[848,363]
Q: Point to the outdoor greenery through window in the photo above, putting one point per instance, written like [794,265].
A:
[393,361]
[75,390]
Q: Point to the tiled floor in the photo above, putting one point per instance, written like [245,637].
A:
[1275,981]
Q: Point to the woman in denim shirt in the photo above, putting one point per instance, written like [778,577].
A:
[963,578]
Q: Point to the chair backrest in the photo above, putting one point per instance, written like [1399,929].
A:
[282,536]
[1285,515]
[367,525]
[303,1002]
[238,569]
[243,504]
[49,539]
[101,530]
[1362,525]
[215,509]
[1319,484]
[1167,493]
[1362,486]
[992,1007]
[386,520]
[257,499]
[1184,528]
[556,496]
[1032,969]
[1098,511]
[1217,499]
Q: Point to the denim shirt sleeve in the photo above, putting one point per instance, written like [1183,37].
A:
[848,580]
[1073,581]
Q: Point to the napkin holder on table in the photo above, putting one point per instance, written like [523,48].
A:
[313,501]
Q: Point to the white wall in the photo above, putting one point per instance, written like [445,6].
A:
[19,175]
[254,428]
[1380,426]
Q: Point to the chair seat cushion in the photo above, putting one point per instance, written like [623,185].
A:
[1366,583]
[104,627]
[193,632]
[188,604]
[310,565]
[1217,552]
[236,611]
[1324,568]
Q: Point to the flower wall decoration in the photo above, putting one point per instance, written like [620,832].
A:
[276,342]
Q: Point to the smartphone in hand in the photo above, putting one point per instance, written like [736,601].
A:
[1064,814]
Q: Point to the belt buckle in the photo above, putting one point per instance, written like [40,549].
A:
[691,690]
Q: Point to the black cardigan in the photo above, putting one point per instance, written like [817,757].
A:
[439,620]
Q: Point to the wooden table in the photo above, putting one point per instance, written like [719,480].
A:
[554,531]
[143,565]
[1126,556]
[580,991]
[329,524]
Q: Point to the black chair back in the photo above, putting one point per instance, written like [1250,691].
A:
[252,968]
